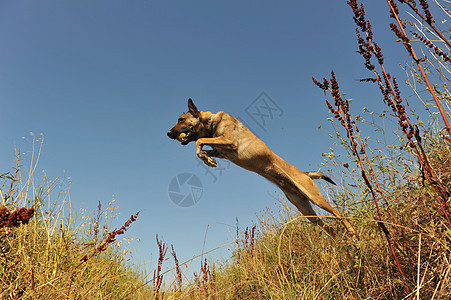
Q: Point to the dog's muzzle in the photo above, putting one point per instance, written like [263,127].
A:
[172,134]
[190,136]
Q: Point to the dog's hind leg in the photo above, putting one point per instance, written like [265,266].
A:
[322,203]
[310,191]
[304,206]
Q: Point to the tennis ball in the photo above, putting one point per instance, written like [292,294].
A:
[181,136]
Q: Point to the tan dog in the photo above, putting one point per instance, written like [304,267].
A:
[231,140]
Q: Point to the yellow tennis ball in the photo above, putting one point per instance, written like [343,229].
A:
[181,136]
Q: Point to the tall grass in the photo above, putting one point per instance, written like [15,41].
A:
[48,253]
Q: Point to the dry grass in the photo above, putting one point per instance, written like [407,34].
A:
[48,254]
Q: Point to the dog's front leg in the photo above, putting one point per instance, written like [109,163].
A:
[216,142]
[203,155]
[209,161]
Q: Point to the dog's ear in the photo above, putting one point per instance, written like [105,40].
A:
[192,108]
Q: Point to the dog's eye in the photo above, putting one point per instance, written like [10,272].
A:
[180,121]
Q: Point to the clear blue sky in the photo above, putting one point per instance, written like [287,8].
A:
[105,80]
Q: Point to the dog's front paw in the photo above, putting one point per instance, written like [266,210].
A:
[211,162]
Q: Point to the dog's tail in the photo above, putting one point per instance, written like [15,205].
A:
[319,175]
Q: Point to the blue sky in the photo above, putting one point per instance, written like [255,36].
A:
[105,80]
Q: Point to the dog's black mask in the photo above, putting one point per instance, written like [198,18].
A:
[190,135]
[188,123]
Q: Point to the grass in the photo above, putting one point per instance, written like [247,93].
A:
[393,178]
[46,253]
[281,257]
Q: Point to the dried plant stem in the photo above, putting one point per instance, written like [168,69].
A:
[418,61]
[158,277]
[418,268]
[421,154]
[439,190]
[279,252]
[431,24]
[110,238]
[174,268]
[341,113]
[389,89]
[178,279]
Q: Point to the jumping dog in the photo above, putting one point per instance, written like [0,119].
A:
[230,139]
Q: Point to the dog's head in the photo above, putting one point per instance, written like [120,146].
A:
[193,123]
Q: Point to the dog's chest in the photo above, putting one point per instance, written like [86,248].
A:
[231,155]
[243,157]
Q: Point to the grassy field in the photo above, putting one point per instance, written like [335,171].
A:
[393,179]
[48,253]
